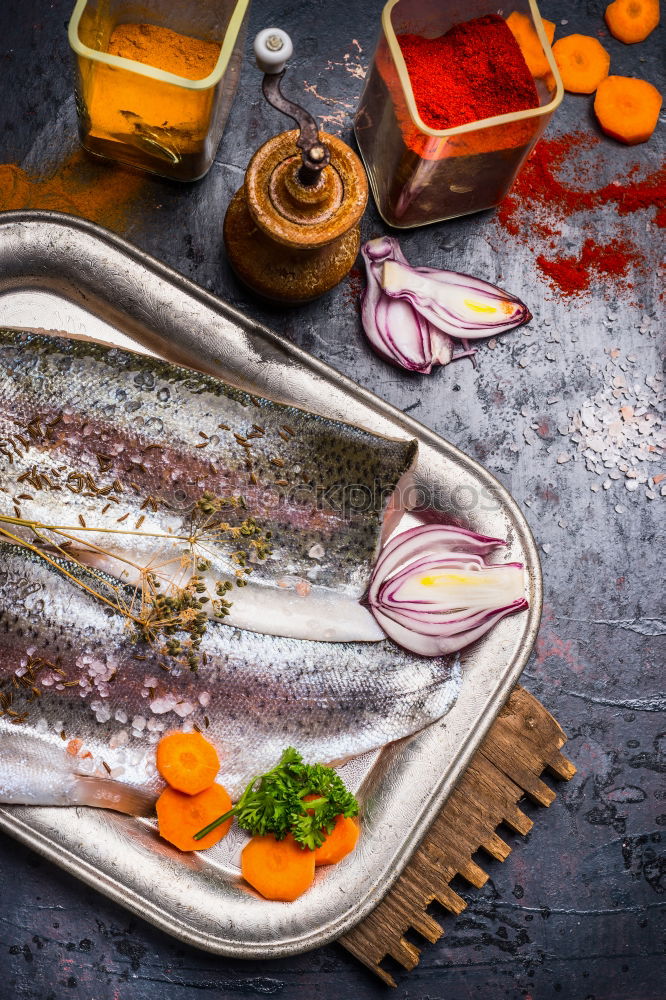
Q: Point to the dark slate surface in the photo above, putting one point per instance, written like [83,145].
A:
[575,910]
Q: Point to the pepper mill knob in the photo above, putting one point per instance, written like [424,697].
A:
[292,231]
[272,50]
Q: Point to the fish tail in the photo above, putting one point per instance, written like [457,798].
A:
[104,793]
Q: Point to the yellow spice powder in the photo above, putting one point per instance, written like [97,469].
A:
[164,49]
[160,117]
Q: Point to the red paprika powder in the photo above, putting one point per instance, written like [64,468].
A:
[551,189]
[474,71]
[573,275]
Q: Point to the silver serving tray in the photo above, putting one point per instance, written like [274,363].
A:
[62,273]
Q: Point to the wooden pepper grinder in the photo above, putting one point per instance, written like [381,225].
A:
[292,231]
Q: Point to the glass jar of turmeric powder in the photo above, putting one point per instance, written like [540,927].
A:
[156,79]
[424,163]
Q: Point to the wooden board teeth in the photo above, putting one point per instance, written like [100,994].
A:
[523,742]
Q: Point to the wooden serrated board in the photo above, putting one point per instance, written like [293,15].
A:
[524,741]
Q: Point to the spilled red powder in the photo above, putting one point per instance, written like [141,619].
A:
[355,286]
[540,184]
[543,199]
[574,274]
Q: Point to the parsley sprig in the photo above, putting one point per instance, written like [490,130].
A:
[274,802]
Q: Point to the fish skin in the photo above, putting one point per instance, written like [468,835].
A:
[77,416]
[259,693]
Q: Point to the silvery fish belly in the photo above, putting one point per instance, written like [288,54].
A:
[119,451]
[82,705]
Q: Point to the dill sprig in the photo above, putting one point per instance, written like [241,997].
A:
[275,802]
[172,616]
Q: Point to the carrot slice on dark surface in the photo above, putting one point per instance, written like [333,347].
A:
[187,761]
[627,109]
[632,21]
[523,31]
[180,816]
[582,61]
[340,842]
[278,869]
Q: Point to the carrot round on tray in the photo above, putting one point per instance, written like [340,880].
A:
[340,842]
[280,870]
[180,816]
[187,762]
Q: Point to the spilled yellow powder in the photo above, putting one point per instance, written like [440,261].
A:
[100,192]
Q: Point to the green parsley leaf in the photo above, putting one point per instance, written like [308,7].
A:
[274,802]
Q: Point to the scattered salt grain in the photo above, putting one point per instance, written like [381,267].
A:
[620,427]
[159,706]
[183,709]
[101,710]
[119,739]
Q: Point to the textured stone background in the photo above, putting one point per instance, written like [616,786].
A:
[575,910]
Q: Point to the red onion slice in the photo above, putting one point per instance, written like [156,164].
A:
[394,328]
[457,304]
[433,592]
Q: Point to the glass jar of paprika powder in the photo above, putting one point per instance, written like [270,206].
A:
[421,174]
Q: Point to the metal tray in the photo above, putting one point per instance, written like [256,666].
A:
[57,272]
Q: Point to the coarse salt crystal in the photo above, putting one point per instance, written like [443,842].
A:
[161,705]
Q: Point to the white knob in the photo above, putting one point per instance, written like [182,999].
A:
[272,49]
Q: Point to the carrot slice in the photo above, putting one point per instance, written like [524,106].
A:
[340,842]
[180,816]
[523,31]
[278,869]
[632,20]
[627,109]
[187,762]
[582,61]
